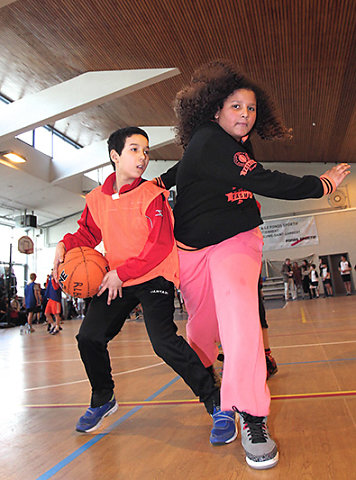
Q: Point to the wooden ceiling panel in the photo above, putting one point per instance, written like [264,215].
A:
[302,51]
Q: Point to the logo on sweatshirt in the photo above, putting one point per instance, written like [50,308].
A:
[238,195]
[158,213]
[242,160]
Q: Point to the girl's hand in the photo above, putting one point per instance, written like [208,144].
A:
[58,258]
[113,283]
[338,173]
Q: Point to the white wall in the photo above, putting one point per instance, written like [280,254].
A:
[54,234]
[336,229]
[274,207]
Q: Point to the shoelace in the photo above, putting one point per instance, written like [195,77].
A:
[257,429]
[256,432]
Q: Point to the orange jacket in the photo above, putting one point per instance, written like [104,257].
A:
[122,221]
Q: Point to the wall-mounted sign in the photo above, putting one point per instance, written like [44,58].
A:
[288,233]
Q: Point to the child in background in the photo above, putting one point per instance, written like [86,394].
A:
[326,278]
[54,306]
[345,271]
[314,281]
[32,300]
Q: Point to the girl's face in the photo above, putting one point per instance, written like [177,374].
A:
[238,114]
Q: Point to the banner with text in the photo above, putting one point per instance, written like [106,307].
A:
[293,232]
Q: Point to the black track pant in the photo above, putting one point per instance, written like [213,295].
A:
[306,285]
[261,309]
[103,322]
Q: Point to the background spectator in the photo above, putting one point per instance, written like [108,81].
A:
[297,277]
[345,271]
[325,276]
[305,270]
[314,281]
[289,286]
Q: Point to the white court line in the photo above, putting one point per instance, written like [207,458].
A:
[314,344]
[74,344]
[129,341]
[146,356]
[86,380]
[79,359]
[110,343]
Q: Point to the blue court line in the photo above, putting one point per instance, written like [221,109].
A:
[50,473]
[320,361]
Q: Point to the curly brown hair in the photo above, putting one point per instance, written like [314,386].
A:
[210,85]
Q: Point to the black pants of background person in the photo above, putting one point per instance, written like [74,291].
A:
[261,309]
[103,322]
[306,286]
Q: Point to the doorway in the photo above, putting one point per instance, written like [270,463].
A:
[333,262]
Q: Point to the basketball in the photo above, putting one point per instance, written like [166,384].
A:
[82,271]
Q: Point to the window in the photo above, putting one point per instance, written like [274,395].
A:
[61,147]
[46,139]
[43,140]
[26,137]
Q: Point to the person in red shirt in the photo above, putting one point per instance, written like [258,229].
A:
[134,220]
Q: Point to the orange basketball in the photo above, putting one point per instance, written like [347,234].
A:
[82,272]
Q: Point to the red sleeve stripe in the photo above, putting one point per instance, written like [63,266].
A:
[328,184]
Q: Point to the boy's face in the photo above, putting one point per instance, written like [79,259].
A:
[134,158]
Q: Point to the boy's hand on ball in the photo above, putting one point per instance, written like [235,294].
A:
[58,258]
[112,282]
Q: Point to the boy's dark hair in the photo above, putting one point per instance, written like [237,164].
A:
[117,139]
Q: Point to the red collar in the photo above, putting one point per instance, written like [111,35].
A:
[108,186]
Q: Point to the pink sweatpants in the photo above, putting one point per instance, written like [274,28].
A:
[219,286]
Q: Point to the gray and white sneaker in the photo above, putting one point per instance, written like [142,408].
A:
[261,450]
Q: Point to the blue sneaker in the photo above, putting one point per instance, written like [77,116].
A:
[93,417]
[224,427]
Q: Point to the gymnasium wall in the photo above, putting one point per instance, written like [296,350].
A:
[336,229]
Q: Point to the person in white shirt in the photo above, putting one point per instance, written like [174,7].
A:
[345,271]
[326,278]
[314,281]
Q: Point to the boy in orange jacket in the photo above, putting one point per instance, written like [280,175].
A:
[135,222]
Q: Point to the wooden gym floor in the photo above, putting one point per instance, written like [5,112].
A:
[160,432]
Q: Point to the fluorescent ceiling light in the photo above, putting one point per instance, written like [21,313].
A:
[8,164]
[14,157]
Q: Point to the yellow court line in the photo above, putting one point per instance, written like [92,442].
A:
[304,320]
[121,404]
[192,401]
[339,393]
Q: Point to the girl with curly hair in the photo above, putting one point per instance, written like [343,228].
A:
[220,244]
